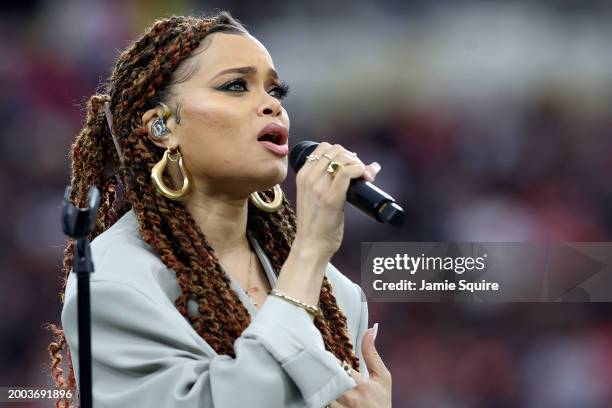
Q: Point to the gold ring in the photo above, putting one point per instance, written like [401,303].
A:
[312,157]
[333,168]
[328,156]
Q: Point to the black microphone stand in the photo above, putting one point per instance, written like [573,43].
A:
[77,223]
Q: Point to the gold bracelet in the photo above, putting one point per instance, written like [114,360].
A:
[313,310]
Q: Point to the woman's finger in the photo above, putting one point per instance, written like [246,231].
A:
[324,158]
[357,376]
[375,166]
[340,182]
[375,364]
[349,399]
[372,169]
[309,167]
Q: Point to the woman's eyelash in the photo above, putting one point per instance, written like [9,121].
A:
[228,85]
[282,88]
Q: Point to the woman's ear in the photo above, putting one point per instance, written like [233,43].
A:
[157,113]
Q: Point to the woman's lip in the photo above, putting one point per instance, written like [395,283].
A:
[278,129]
[281,150]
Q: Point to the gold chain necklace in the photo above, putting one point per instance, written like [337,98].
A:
[248,284]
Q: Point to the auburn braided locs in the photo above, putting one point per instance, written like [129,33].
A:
[142,77]
[153,67]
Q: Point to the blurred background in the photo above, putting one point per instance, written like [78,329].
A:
[491,120]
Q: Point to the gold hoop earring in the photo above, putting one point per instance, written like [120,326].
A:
[173,155]
[276,203]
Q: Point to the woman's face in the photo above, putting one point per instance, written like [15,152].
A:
[221,112]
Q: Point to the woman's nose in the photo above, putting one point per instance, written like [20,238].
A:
[270,107]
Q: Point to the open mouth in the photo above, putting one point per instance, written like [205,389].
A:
[271,137]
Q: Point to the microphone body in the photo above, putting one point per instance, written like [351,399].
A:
[362,194]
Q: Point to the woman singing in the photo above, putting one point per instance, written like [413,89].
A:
[209,291]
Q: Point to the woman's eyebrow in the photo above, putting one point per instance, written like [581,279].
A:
[246,70]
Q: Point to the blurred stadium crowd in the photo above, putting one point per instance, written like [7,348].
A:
[491,120]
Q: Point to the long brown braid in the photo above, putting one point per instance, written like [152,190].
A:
[142,77]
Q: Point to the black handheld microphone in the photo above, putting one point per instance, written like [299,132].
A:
[362,194]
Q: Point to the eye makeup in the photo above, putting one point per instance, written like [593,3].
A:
[240,85]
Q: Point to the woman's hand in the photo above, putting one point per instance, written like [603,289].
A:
[321,198]
[374,392]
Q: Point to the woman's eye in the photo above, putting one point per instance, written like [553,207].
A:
[281,90]
[236,86]
[239,85]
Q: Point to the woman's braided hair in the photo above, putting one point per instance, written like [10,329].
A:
[141,79]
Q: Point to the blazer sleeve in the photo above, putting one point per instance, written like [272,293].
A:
[143,355]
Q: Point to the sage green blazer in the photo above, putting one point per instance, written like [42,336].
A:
[146,354]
